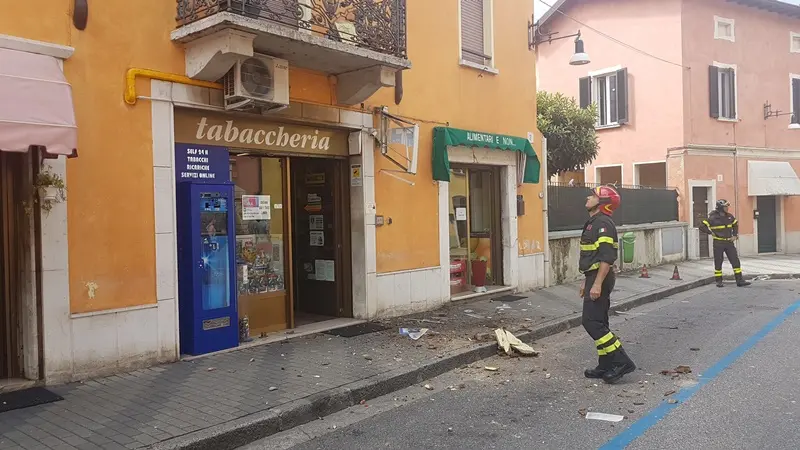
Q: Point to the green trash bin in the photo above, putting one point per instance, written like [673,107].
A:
[628,239]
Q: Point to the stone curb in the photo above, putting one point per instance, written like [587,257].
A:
[239,432]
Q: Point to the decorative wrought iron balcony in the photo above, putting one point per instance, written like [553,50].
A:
[377,25]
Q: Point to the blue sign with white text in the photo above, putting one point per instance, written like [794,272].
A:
[201,164]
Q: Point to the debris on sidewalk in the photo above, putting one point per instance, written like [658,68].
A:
[677,371]
[604,416]
[438,322]
[413,333]
[490,368]
[273,388]
[668,393]
[672,401]
[507,342]
[428,387]
[502,307]
[695,349]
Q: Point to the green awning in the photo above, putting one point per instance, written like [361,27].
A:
[444,137]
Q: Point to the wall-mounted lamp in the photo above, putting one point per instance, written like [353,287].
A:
[80,14]
[580,57]
[536,37]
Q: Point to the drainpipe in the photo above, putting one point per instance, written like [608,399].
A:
[545,221]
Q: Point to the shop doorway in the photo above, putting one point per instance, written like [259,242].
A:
[292,240]
[12,220]
[320,240]
[475,228]
[767,224]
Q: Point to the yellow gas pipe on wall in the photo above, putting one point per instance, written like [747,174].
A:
[130,81]
[131,97]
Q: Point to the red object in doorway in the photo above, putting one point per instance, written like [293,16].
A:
[479,273]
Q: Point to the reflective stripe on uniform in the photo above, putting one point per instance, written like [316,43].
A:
[594,266]
[721,239]
[596,245]
[721,227]
[737,270]
[607,344]
[611,348]
[604,339]
[718,273]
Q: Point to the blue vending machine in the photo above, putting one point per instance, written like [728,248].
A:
[206,254]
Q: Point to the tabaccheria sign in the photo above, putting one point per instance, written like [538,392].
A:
[198,127]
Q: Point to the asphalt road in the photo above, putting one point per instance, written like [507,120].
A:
[742,393]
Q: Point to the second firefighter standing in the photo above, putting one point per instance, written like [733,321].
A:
[724,229]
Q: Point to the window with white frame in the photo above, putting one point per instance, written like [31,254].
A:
[724,29]
[608,90]
[722,91]
[794,89]
[477,46]
[794,42]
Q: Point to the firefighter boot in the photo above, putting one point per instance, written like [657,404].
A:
[621,364]
[600,370]
[719,282]
[740,281]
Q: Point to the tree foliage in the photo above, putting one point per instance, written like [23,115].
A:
[569,129]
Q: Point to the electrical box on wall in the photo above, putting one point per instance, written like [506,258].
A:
[520,205]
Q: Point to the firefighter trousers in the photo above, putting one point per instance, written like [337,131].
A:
[722,248]
[595,315]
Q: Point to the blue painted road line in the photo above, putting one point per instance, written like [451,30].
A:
[641,426]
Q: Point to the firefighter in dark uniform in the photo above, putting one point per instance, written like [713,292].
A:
[599,248]
[724,229]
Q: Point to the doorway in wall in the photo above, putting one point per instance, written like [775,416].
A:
[767,224]
[293,254]
[700,210]
[12,222]
[475,228]
[321,239]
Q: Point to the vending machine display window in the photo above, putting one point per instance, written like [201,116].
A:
[216,264]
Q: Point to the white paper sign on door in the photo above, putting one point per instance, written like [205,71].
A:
[461,213]
[317,238]
[256,207]
[316,222]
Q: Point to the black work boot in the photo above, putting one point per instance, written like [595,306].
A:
[600,370]
[621,364]
[719,282]
[740,281]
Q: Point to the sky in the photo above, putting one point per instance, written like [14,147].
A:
[540,8]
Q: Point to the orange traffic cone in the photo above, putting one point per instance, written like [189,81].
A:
[644,273]
[675,275]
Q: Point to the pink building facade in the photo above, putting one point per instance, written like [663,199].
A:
[683,89]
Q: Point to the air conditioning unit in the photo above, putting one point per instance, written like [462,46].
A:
[257,82]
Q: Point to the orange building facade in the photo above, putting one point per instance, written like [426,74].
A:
[381,156]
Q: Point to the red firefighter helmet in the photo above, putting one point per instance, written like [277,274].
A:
[609,199]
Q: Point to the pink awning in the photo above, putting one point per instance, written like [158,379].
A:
[35,104]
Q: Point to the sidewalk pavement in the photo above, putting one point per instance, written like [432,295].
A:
[223,401]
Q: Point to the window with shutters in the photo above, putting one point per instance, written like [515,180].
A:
[794,90]
[723,99]
[794,42]
[608,89]
[476,34]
